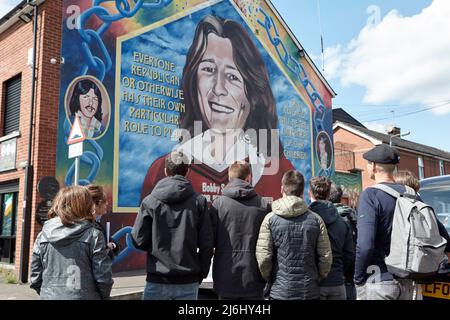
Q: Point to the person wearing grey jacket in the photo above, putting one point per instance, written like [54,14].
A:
[237,216]
[293,250]
[70,260]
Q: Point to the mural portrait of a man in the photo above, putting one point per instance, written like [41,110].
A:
[226,89]
[86,103]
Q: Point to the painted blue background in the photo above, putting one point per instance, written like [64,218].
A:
[171,42]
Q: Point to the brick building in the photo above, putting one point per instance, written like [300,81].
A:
[19,34]
[352,139]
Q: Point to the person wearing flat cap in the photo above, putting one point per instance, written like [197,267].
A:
[375,214]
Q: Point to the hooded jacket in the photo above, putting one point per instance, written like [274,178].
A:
[237,217]
[293,250]
[71,263]
[172,223]
[349,215]
[341,240]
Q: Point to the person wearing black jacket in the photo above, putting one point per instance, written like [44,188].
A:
[174,227]
[350,217]
[237,216]
[341,240]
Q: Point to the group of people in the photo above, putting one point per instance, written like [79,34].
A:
[285,250]
[72,257]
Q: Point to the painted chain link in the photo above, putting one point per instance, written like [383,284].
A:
[99,65]
[299,71]
[129,248]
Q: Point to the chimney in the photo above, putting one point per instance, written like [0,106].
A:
[394,131]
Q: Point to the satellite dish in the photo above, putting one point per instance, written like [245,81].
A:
[389,128]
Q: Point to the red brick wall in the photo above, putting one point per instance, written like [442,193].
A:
[410,162]
[359,146]
[14,45]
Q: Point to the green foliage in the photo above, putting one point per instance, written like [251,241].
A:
[8,276]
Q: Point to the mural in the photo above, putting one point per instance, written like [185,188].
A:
[219,80]
[351,184]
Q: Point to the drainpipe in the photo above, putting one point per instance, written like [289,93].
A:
[28,185]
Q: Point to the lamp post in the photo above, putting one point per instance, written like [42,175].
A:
[398,135]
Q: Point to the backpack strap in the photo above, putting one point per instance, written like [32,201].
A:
[409,193]
[388,190]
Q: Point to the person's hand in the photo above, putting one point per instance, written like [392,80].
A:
[111,246]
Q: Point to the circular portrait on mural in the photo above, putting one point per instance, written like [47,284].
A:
[324,150]
[86,98]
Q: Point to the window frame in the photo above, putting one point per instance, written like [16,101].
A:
[3,108]
[9,238]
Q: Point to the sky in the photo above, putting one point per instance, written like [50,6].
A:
[388,60]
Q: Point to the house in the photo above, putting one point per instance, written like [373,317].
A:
[352,140]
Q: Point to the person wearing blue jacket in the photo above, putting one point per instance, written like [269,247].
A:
[375,215]
[341,240]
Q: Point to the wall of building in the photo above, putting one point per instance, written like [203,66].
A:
[410,162]
[357,145]
[14,46]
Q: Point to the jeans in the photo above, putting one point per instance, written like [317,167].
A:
[164,291]
[396,289]
[350,288]
[333,293]
[242,298]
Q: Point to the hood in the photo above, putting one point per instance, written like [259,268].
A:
[239,189]
[343,210]
[173,189]
[289,207]
[55,232]
[326,210]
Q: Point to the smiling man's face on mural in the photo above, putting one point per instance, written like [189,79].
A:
[221,88]
[89,104]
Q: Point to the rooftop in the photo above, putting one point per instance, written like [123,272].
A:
[397,142]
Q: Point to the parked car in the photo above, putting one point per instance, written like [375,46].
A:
[436,192]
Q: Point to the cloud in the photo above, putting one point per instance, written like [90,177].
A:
[402,59]
[375,126]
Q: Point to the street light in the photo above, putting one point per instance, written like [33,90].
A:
[398,135]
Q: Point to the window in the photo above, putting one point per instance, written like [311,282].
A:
[421,168]
[437,195]
[12,105]
[8,226]
[441,167]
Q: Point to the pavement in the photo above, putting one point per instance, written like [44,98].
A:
[127,286]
